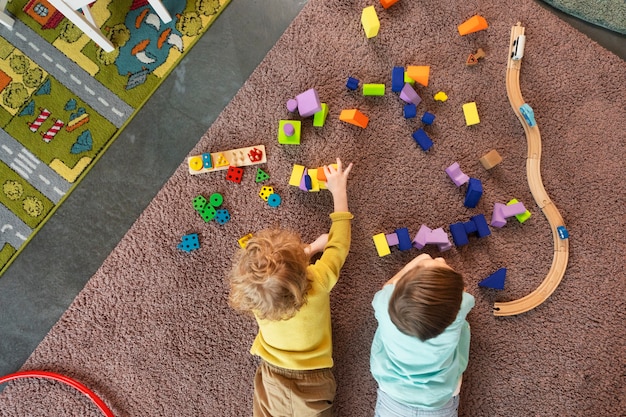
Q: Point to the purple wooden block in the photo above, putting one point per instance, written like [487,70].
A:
[303,180]
[409,95]
[438,237]
[392,239]
[308,103]
[292,105]
[289,129]
[421,238]
[497,218]
[502,211]
[456,175]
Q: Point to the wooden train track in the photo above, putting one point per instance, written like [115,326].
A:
[533,172]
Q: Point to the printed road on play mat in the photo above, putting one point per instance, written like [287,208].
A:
[63,100]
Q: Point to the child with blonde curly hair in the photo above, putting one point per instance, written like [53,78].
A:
[273,279]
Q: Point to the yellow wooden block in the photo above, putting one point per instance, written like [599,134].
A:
[243,241]
[419,73]
[195,163]
[370,22]
[471,114]
[222,161]
[296,175]
[382,247]
[315,183]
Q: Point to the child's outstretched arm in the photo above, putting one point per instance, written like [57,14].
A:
[317,245]
[337,182]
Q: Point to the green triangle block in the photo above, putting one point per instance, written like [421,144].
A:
[261,175]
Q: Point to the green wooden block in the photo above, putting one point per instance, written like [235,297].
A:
[373,89]
[294,139]
[199,202]
[261,175]
[208,213]
[319,118]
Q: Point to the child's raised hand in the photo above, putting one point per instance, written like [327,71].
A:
[336,182]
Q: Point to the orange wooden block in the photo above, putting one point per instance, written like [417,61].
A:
[473,24]
[387,3]
[418,73]
[354,117]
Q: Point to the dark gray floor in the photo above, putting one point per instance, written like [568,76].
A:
[61,258]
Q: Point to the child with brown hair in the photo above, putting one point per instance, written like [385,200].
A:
[421,346]
[273,279]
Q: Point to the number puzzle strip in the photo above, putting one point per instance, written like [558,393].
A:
[218,161]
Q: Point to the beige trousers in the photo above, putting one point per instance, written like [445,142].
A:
[282,392]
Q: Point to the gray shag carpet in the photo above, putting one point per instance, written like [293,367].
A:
[152,334]
[610,14]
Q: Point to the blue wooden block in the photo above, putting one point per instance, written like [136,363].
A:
[457,230]
[473,193]
[273,200]
[480,222]
[410,111]
[189,242]
[562,231]
[404,239]
[397,79]
[422,139]
[207,163]
[495,280]
[428,118]
[222,216]
[352,83]
[470,227]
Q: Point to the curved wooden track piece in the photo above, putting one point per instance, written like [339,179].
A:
[64,379]
[533,172]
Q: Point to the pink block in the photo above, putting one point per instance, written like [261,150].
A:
[308,103]
[409,95]
[456,175]
[392,239]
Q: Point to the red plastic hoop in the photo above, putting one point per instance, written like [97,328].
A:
[64,379]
